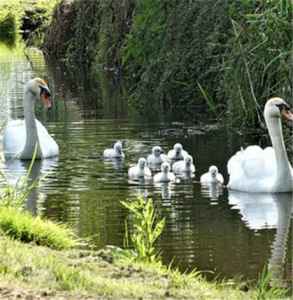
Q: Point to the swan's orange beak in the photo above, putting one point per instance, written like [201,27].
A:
[47,101]
[46,97]
[287,114]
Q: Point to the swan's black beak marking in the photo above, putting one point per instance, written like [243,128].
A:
[45,91]
[283,106]
[285,111]
[45,95]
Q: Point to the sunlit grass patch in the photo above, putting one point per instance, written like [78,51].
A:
[26,228]
[86,273]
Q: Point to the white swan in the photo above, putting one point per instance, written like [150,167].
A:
[115,152]
[184,166]
[268,170]
[157,157]
[177,153]
[21,137]
[165,175]
[212,176]
[140,170]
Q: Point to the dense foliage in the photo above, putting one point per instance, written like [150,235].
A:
[177,54]
[173,49]
[259,65]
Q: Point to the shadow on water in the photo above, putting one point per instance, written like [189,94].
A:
[209,229]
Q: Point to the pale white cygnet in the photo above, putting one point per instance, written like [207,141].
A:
[140,170]
[115,152]
[165,175]
[157,157]
[177,153]
[212,176]
[184,166]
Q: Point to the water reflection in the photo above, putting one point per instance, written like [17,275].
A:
[212,191]
[261,211]
[37,174]
[116,163]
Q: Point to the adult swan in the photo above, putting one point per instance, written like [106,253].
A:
[264,170]
[21,137]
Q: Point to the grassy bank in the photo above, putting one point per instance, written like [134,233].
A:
[92,274]
[28,229]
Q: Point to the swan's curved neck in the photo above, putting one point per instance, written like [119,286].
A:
[283,166]
[30,126]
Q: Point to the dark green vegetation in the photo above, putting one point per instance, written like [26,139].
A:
[178,55]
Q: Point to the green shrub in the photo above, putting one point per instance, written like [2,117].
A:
[8,27]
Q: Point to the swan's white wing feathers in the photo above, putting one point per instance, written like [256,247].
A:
[180,167]
[220,178]
[48,145]
[14,138]
[205,178]
[252,165]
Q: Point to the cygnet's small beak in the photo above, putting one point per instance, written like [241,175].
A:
[287,114]
[46,97]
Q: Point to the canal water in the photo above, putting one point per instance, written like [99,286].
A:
[221,233]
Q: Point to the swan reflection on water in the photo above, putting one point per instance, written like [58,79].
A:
[116,163]
[14,170]
[212,191]
[262,211]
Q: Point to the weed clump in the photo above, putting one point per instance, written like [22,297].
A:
[146,229]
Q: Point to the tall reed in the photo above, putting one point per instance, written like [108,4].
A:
[259,64]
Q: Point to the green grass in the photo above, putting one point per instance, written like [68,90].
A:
[86,273]
[26,228]
[265,289]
